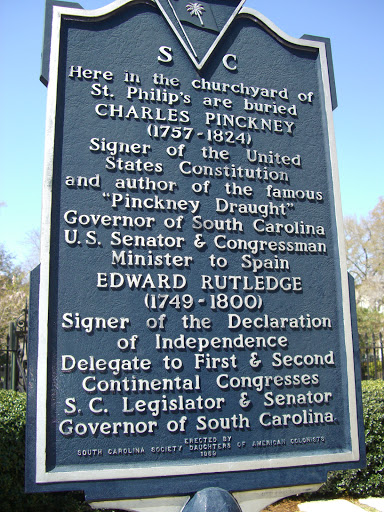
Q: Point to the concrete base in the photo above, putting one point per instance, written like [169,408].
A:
[330,506]
[207,500]
[377,503]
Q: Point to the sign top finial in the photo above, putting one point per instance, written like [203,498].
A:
[199,25]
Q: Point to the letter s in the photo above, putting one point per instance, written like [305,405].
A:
[71,403]
[91,238]
[166,53]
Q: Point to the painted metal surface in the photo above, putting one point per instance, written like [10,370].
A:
[194,312]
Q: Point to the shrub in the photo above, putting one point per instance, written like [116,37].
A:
[370,480]
[12,449]
[12,434]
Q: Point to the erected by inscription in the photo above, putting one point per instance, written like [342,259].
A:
[194,306]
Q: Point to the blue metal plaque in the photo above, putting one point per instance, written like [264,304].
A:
[194,320]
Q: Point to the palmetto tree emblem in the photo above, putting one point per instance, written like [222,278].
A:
[196,9]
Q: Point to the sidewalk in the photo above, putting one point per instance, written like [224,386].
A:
[342,505]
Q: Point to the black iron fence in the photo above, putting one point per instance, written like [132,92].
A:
[13,358]
[372,356]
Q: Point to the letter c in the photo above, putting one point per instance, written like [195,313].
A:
[92,407]
[226,59]
[265,419]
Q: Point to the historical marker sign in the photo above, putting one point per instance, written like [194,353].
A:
[194,316]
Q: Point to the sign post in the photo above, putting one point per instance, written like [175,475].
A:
[192,310]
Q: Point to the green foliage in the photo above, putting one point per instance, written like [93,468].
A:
[370,480]
[369,321]
[13,292]
[372,371]
[12,442]
[12,425]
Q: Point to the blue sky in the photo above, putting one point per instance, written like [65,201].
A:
[354,27]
